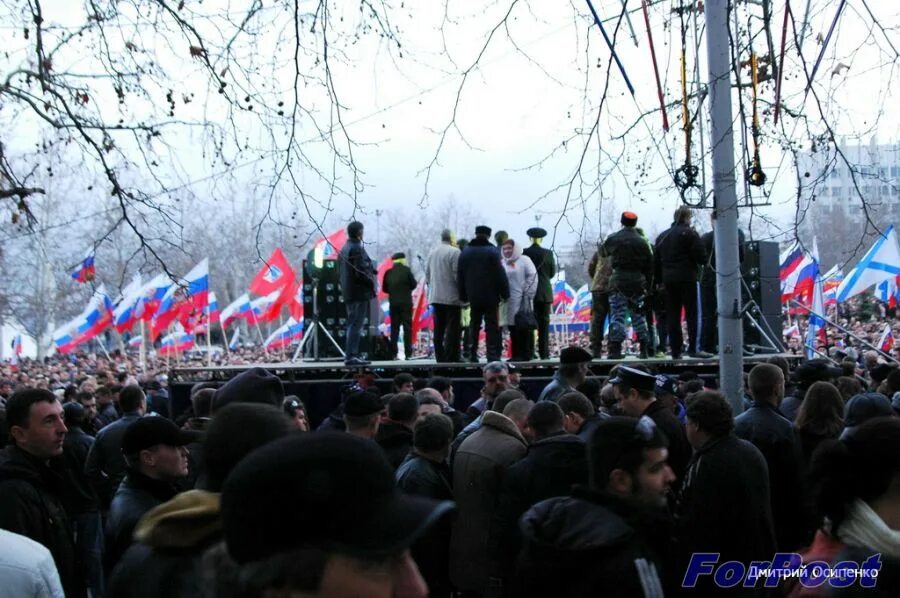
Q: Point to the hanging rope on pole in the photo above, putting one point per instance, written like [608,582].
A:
[787,13]
[686,175]
[611,47]
[659,91]
[812,75]
[755,174]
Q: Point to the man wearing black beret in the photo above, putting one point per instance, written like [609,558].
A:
[543,299]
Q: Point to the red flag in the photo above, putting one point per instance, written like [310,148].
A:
[275,274]
[421,303]
[382,270]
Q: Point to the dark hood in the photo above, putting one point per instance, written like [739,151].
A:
[570,523]
[16,464]
[393,434]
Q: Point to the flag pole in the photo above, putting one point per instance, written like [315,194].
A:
[844,330]
[141,349]
[261,337]
[208,343]
[224,337]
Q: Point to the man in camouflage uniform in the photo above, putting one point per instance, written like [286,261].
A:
[631,260]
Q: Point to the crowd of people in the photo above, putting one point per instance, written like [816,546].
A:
[639,484]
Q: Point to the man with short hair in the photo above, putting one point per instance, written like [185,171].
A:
[155,453]
[635,394]
[496,380]
[579,415]
[723,505]
[678,256]
[444,387]
[443,295]
[399,284]
[33,486]
[555,461]
[362,414]
[769,431]
[358,286]
[92,423]
[106,407]
[478,467]
[105,465]
[425,473]
[572,371]
[403,382]
[482,283]
[351,537]
[608,539]
[395,436]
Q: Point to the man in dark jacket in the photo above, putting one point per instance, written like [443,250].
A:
[155,452]
[611,538]
[636,396]
[555,462]
[678,257]
[81,501]
[708,305]
[105,464]
[580,416]
[425,473]
[399,283]
[395,436]
[770,432]
[546,269]
[33,485]
[631,261]
[572,371]
[358,286]
[723,505]
[483,284]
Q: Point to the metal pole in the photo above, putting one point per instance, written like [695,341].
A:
[728,268]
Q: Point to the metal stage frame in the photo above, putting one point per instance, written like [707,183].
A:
[318,383]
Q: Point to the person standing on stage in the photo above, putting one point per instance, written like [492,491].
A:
[599,270]
[678,257]
[358,286]
[483,284]
[631,260]
[523,282]
[546,269]
[708,307]
[399,284]
[443,294]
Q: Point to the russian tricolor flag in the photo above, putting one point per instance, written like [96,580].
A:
[886,343]
[124,313]
[85,271]
[563,294]
[290,332]
[135,342]
[239,308]
[96,317]
[177,342]
[194,292]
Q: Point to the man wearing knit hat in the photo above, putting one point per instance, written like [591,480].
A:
[632,266]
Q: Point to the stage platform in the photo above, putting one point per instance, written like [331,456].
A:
[318,383]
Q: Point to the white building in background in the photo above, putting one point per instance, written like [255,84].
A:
[8,332]
[827,176]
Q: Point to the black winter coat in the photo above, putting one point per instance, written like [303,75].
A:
[679,254]
[591,545]
[545,264]
[631,261]
[590,424]
[357,272]
[80,495]
[679,448]
[105,465]
[552,466]
[399,283]
[32,505]
[724,504]
[481,278]
[775,438]
[708,273]
[136,495]
[396,441]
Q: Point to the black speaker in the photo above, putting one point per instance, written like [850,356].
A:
[760,271]
[332,313]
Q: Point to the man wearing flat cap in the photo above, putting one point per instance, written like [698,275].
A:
[399,283]
[572,372]
[483,284]
[320,515]
[632,272]
[155,452]
[546,268]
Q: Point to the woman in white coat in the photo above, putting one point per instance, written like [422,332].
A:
[522,277]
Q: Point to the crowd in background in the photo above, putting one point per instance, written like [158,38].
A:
[594,486]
